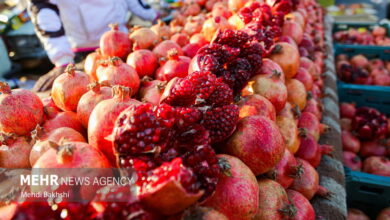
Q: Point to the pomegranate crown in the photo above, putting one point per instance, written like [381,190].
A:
[115,61]
[37,133]
[173,54]
[114,26]
[95,87]
[5,88]
[121,92]
[70,69]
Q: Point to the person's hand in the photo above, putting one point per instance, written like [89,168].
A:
[45,82]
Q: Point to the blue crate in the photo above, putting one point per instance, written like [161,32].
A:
[370,52]
[367,192]
[369,26]
[372,96]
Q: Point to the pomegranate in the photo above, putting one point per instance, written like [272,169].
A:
[305,78]
[303,209]
[220,9]
[161,50]
[143,61]
[257,142]
[91,64]
[162,31]
[190,9]
[384,214]
[289,112]
[115,72]
[89,100]
[143,38]
[359,61]
[310,122]
[296,93]
[289,40]
[181,39]
[379,31]
[198,39]
[347,110]
[355,214]
[289,130]
[50,109]
[350,142]
[115,43]
[287,56]
[191,49]
[151,90]
[381,79]
[273,200]
[376,64]
[193,26]
[102,119]
[307,184]
[236,22]
[235,5]
[14,151]
[293,29]
[176,66]
[64,119]
[256,105]
[21,110]
[68,88]
[309,66]
[373,148]
[285,170]
[237,192]
[297,17]
[369,123]
[271,88]
[202,213]
[269,67]
[377,165]
[213,24]
[60,136]
[352,161]
[346,124]
[313,106]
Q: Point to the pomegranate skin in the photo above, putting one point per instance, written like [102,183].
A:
[377,165]
[256,105]
[272,200]
[269,67]
[287,56]
[21,110]
[310,122]
[14,151]
[143,61]
[92,63]
[305,210]
[352,161]
[372,148]
[311,151]
[384,214]
[307,184]
[236,195]
[347,110]
[176,66]
[161,50]
[285,171]
[202,213]
[115,43]
[50,110]
[355,214]
[64,119]
[151,91]
[296,93]
[350,142]
[257,142]
[289,130]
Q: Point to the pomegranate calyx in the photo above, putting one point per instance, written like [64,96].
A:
[324,192]
[114,61]
[356,159]
[173,54]
[65,153]
[277,49]
[70,69]
[224,166]
[302,132]
[5,138]
[146,79]
[95,87]
[5,88]
[37,133]
[289,210]
[275,74]
[296,112]
[296,171]
[309,95]
[114,26]
[121,92]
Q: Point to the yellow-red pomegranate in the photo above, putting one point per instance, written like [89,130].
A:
[293,29]
[289,130]
[256,105]
[304,77]
[143,61]
[181,39]
[193,26]
[116,72]
[115,43]
[199,39]
[64,119]
[21,110]
[269,67]
[257,142]
[296,93]
[312,124]
[236,22]
[162,31]
[176,66]
[309,66]
[50,110]
[161,50]
[91,64]
[14,151]
[377,165]
[285,171]
[303,209]
[143,38]
[90,99]
[151,90]
[287,56]
[68,88]
[237,192]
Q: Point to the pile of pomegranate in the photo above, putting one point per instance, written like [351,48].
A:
[359,70]
[377,36]
[366,139]
[218,114]
[356,214]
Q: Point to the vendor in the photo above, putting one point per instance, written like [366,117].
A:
[68,28]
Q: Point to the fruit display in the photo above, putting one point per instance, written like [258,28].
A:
[355,214]
[218,114]
[360,70]
[365,138]
[377,36]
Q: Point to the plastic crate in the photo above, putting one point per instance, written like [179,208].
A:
[368,26]
[372,96]
[367,192]
[370,52]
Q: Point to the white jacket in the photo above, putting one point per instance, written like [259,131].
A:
[66,25]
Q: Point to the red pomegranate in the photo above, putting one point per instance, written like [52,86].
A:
[271,88]
[14,151]
[21,110]
[181,39]
[288,39]
[347,110]
[50,109]
[297,94]
[346,124]
[377,165]
[220,9]
[373,148]
[289,112]
[369,124]
[64,119]
[379,31]
[293,29]
[143,38]
[115,72]
[256,105]
[285,170]
[91,64]
[305,78]
[309,66]
[307,184]
[198,39]
[352,161]
[161,50]
[237,192]
[151,90]
[350,142]
[191,49]
[273,200]
[102,119]
[384,214]
[381,79]
[310,122]
[355,214]
[304,210]
[143,61]
[257,142]
[176,66]
[287,56]
[68,88]
[162,31]
[115,43]
[202,213]
[359,61]
[269,67]
[289,130]
[313,106]
[90,99]
[297,17]
[60,136]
